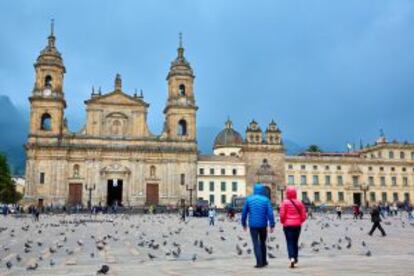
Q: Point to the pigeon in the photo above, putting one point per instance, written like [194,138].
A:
[52,262]
[100,246]
[222,238]
[32,265]
[151,256]
[271,256]
[249,251]
[368,253]
[194,258]
[9,265]
[349,245]
[80,242]
[18,258]
[364,244]
[103,270]
[239,250]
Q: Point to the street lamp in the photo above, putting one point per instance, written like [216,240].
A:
[365,187]
[90,189]
[191,189]
[281,188]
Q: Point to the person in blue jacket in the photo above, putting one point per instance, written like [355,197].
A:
[259,210]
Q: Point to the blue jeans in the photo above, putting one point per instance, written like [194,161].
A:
[292,234]
[259,236]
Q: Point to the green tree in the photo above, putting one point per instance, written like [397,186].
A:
[8,193]
[314,148]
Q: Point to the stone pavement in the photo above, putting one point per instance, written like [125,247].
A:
[161,245]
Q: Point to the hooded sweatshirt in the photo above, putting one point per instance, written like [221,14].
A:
[289,214]
[258,208]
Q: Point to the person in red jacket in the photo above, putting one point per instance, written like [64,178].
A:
[292,215]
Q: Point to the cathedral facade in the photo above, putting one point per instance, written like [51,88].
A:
[115,158]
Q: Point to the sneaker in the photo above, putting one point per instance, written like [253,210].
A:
[292,263]
[296,260]
[258,266]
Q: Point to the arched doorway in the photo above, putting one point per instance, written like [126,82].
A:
[114,195]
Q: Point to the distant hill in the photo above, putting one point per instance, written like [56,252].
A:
[13,135]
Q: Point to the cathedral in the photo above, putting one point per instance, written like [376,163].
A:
[115,158]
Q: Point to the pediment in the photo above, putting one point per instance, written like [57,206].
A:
[117,98]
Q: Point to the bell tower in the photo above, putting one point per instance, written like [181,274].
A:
[47,102]
[180,110]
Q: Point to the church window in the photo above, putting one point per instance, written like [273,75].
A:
[116,127]
[223,171]
[341,196]
[46,122]
[48,81]
[153,171]
[391,155]
[42,178]
[234,186]
[223,199]
[211,186]
[201,186]
[181,90]
[182,128]
[234,171]
[182,179]
[402,155]
[75,170]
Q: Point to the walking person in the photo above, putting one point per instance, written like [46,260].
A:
[211,216]
[292,216]
[338,212]
[376,221]
[355,211]
[258,209]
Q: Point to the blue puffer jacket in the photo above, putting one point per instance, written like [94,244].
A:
[258,208]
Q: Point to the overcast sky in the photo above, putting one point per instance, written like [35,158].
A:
[328,72]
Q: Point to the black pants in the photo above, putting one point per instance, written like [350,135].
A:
[339,214]
[259,236]
[292,234]
[375,226]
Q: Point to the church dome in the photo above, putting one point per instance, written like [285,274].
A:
[228,137]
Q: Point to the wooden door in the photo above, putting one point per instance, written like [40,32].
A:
[75,194]
[152,194]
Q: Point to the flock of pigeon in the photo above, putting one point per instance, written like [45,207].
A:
[102,240]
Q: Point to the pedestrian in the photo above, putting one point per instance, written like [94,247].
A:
[190,211]
[355,211]
[376,221]
[338,212]
[37,214]
[259,210]
[183,214]
[292,216]
[211,216]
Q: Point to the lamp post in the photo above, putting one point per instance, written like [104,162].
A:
[281,188]
[90,189]
[191,189]
[365,187]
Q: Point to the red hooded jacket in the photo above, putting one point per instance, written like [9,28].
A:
[289,214]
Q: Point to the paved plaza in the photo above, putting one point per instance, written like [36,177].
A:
[162,245]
